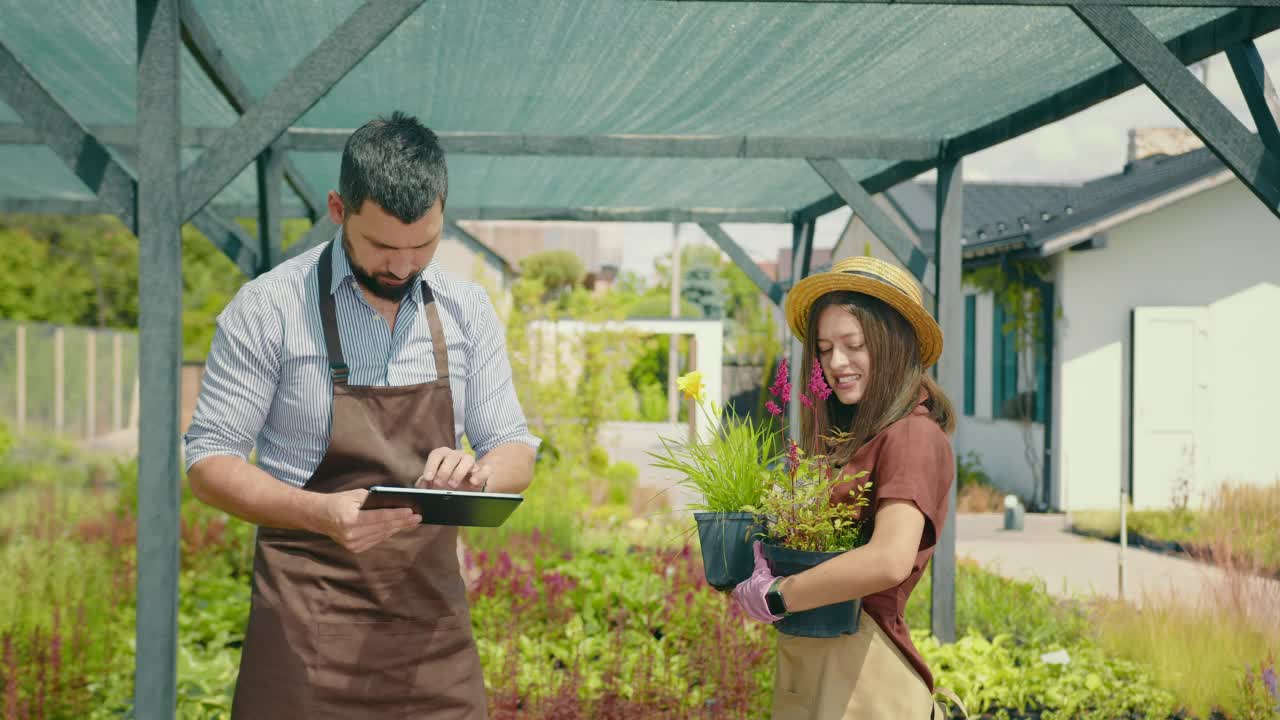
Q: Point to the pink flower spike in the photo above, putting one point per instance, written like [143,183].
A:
[781,387]
[807,402]
[818,383]
[773,408]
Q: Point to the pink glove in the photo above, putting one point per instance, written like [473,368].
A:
[750,592]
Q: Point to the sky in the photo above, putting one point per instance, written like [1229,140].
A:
[1084,146]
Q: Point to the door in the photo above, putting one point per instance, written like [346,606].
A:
[1169,412]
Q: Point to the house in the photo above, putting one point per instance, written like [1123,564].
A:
[1160,292]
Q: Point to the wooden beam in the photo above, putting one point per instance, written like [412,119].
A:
[1258,92]
[160,332]
[611,214]
[86,156]
[767,286]
[269,174]
[50,124]
[293,96]
[1192,46]
[876,219]
[1188,98]
[200,43]
[949,312]
[743,147]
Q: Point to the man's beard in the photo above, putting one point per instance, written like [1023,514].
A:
[394,293]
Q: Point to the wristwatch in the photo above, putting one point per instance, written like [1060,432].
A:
[773,599]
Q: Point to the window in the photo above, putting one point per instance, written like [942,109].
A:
[1019,378]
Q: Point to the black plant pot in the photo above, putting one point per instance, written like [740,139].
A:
[726,539]
[824,622]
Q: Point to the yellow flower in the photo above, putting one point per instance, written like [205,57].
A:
[691,385]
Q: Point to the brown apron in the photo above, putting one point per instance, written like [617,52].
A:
[863,676]
[381,634]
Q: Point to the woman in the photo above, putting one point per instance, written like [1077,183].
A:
[865,324]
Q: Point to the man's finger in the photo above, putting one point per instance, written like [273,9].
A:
[432,466]
[461,470]
[384,515]
[480,476]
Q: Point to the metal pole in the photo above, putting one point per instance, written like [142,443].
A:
[949,312]
[1124,537]
[160,332]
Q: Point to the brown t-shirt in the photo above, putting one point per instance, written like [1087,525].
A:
[910,460]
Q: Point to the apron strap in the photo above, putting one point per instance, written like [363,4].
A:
[338,369]
[953,699]
[438,345]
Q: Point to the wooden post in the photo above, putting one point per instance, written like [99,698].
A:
[117,381]
[91,385]
[22,379]
[59,381]
[949,311]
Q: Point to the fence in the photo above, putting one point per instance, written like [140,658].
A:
[73,381]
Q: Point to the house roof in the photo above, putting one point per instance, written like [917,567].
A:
[1004,217]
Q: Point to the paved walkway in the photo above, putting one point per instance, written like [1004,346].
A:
[1071,565]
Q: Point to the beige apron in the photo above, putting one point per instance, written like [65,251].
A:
[863,676]
[381,634]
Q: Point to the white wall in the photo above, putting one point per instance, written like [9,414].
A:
[1219,249]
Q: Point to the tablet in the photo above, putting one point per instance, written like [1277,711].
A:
[446,507]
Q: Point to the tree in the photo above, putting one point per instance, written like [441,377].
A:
[559,271]
[704,287]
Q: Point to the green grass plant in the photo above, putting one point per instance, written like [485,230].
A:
[729,471]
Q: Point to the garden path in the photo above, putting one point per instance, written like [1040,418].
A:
[1073,565]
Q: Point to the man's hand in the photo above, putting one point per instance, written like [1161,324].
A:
[358,530]
[451,469]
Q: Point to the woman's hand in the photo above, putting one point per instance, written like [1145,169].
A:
[750,592]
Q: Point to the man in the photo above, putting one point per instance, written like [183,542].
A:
[359,363]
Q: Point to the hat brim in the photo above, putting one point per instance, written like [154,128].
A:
[801,298]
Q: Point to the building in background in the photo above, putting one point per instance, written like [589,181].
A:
[1153,373]
[598,245]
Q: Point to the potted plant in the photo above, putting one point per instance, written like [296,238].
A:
[804,526]
[728,472]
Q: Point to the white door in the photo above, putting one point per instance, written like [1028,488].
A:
[1170,412]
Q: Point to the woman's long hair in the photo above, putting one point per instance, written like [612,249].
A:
[894,383]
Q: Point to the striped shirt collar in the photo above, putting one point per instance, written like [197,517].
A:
[342,271]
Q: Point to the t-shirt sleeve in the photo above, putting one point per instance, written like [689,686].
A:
[916,464]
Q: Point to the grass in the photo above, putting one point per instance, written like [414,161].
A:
[1238,527]
[1199,654]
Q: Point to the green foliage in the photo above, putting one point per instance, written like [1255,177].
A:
[657,304]
[703,286]
[620,480]
[969,471]
[6,441]
[559,271]
[84,271]
[730,471]
[993,673]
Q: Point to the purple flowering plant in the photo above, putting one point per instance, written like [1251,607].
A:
[798,506]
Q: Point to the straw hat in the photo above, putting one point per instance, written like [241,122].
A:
[876,278]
